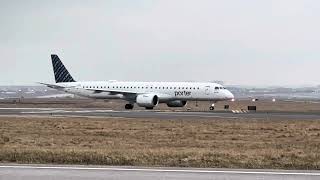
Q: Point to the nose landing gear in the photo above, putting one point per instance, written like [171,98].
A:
[211,107]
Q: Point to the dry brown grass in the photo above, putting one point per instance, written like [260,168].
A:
[149,142]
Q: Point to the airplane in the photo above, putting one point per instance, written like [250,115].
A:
[144,94]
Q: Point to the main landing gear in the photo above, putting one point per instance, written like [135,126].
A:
[128,106]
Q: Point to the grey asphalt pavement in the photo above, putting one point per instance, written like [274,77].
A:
[156,114]
[40,172]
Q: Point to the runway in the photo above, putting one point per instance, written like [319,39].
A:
[33,172]
[81,112]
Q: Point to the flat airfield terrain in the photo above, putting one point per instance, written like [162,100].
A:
[215,143]
[176,141]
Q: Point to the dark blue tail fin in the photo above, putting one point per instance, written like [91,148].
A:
[61,73]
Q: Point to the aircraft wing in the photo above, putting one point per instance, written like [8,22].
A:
[112,92]
[128,94]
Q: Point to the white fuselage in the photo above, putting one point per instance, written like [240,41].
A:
[166,91]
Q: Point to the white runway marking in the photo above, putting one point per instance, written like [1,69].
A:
[288,173]
[197,114]
[185,115]
[46,111]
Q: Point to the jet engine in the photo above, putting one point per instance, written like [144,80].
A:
[176,103]
[147,100]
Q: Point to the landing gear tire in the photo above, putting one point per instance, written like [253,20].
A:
[128,106]
[211,107]
[149,108]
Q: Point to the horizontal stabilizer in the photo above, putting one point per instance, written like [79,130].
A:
[52,86]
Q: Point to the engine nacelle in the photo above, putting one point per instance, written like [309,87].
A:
[147,100]
[176,103]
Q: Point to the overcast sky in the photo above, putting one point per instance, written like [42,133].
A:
[246,42]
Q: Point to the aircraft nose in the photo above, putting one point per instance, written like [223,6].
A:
[229,95]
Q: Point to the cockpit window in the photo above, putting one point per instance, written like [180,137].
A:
[216,88]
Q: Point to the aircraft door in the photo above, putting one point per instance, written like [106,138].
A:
[207,90]
[78,88]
